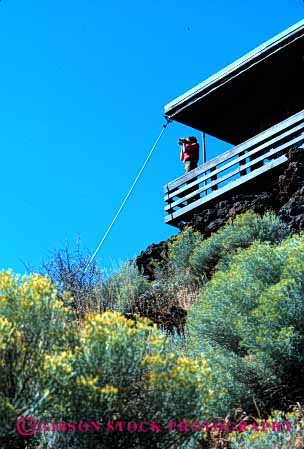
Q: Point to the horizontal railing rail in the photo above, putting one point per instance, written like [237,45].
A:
[232,168]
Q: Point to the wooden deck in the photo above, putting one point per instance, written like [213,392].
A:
[231,169]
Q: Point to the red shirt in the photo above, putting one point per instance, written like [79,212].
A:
[190,152]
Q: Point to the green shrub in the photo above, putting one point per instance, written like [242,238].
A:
[237,234]
[173,285]
[122,372]
[122,288]
[254,309]
[92,289]
[32,323]
[181,247]
[290,436]
[106,368]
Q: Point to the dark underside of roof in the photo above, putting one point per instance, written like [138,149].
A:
[251,99]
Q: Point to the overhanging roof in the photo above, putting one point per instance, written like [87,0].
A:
[258,90]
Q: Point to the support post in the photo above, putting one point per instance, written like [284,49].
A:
[204,147]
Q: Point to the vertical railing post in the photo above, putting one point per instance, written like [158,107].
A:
[213,178]
[242,162]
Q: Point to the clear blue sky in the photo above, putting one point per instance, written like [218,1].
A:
[82,89]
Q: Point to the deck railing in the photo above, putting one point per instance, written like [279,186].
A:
[242,163]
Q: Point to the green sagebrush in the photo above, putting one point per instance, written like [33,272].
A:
[189,250]
[252,310]
[288,436]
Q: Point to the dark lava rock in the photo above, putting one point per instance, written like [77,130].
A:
[281,191]
[155,253]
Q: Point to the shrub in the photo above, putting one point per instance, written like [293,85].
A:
[71,272]
[106,368]
[170,294]
[91,289]
[237,234]
[122,372]
[32,323]
[121,289]
[181,247]
[286,438]
[254,309]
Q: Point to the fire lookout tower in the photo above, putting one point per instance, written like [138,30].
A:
[255,104]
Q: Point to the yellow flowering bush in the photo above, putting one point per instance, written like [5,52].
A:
[121,371]
[32,324]
[273,435]
[106,369]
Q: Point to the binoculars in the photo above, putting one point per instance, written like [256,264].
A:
[181,141]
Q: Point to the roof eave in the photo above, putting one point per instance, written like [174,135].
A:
[232,70]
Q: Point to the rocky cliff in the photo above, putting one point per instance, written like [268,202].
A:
[281,191]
